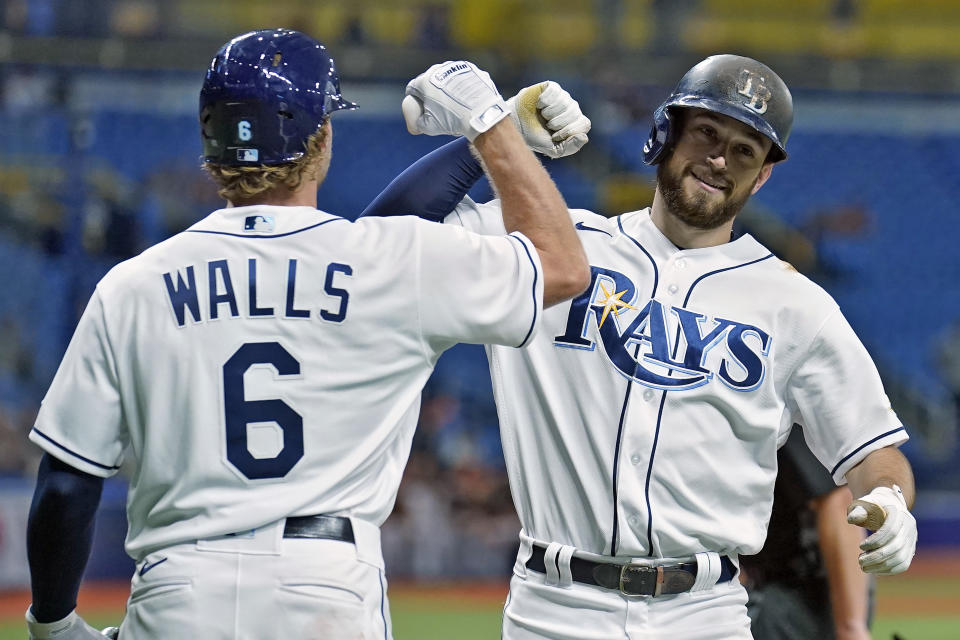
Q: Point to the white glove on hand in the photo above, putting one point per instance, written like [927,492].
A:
[73,627]
[890,549]
[549,119]
[453,98]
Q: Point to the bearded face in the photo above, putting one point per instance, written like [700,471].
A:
[715,165]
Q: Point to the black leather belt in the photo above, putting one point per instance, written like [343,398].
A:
[634,579]
[320,526]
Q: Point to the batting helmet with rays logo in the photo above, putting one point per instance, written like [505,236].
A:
[265,93]
[735,86]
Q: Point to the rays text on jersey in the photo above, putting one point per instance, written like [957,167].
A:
[664,347]
[264,293]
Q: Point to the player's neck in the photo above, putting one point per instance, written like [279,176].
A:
[683,235]
[303,196]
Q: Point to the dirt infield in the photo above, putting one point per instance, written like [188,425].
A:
[930,588]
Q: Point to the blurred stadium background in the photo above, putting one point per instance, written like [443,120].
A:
[99,156]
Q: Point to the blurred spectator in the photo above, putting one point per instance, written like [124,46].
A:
[354,32]
[110,225]
[451,499]
[33,215]
[434,27]
[947,357]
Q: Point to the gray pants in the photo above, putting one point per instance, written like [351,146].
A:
[778,612]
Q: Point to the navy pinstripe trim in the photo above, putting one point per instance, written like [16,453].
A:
[646,486]
[536,275]
[616,465]
[865,444]
[386,629]
[707,275]
[663,400]
[72,453]
[278,235]
[656,272]
[626,401]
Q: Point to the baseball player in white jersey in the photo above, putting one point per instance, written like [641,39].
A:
[640,427]
[264,367]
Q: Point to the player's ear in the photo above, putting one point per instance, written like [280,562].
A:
[763,177]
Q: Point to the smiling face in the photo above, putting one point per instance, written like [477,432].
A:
[716,164]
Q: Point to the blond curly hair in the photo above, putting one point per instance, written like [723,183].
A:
[242,184]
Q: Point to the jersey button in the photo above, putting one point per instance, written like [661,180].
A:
[681,263]
[635,458]
[648,395]
[673,289]
[634,521]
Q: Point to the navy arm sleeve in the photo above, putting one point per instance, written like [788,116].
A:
[431,187]
[60,536]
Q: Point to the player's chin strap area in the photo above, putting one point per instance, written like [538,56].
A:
[633,579]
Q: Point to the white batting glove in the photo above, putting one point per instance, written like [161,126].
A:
[891,547]
[549,119]
[453,98]
[72,627]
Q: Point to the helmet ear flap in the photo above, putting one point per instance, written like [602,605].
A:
[660,136]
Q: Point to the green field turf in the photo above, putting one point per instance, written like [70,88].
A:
[483,623]
[921,605]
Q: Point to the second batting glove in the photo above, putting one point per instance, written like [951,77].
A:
[454,98]
[549,119]
[890,549]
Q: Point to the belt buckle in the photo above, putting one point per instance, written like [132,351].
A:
[650,579]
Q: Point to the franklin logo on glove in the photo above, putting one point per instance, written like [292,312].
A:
[441,76]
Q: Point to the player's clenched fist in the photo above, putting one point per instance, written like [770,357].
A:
[890,549]
[453,98]
[549,119]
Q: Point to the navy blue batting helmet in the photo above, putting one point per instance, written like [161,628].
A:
[265,93]
[735,86]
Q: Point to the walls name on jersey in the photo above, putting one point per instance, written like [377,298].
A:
[228,283]
[661,346]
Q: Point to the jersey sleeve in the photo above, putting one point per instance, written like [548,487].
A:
[478,289]
[483,218]
[839,400]
[80,420]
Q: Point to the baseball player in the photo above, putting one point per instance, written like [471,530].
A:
[264,367]
[640,427]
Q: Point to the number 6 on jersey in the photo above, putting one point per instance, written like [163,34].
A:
[240,412]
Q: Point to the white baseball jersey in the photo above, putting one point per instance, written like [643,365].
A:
[645,417]
[268,362]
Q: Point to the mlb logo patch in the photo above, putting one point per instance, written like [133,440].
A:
[258,223]
[248,155]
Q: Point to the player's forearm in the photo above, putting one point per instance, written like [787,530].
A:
[60,536]
[848,585]
[884,467]
[533,206]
